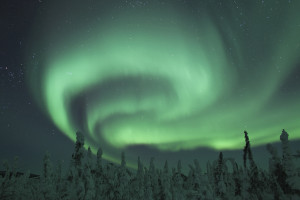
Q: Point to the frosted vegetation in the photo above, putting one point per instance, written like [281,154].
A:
[89,178]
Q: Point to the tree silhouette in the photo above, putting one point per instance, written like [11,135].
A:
[90,178]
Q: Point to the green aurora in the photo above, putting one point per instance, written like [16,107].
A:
[173,80]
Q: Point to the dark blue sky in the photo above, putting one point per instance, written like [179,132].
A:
[28,131]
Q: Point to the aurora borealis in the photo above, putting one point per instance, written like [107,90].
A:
[168,75]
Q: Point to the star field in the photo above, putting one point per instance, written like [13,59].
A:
[155,76]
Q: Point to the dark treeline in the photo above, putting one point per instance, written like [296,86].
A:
[90,178]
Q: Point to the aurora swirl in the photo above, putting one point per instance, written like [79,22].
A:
[162,77]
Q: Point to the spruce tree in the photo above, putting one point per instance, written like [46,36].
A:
[78,155]
[99,160]
[77,168]
[177,184]
[218,176]
[48,184]
[153,179]
[140,179]
[148,195]
[245,149]
[292,180]
[123,188]
[22,188]
[58,179]
[287,160]
[89,182]
[255,183]
[166,184]
[99,175]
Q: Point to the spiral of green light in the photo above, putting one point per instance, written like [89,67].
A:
[164,82]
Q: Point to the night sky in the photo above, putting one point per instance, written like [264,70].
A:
[171,79]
